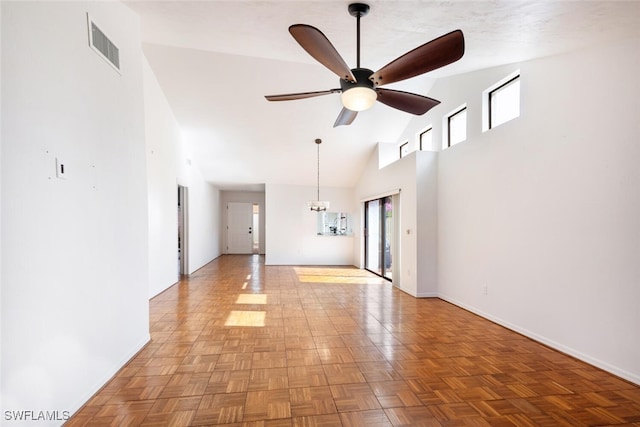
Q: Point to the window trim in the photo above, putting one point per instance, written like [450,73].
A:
[492,92]
[486,98]
[424,131]
[404,144]
[447,121]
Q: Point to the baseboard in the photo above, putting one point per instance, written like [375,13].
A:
[417,294]
[156,292]
[109,375]
[406,291]
[427,295]
[629,376]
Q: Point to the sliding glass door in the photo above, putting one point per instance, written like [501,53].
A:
[373,237]
[378,245]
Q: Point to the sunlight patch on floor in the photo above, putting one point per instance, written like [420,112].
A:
[332,271]
[336,275]
[251,299]
[340,279]
[246,318]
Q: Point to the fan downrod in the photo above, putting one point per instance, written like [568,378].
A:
[358,9]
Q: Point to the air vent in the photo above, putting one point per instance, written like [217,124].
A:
[101,44]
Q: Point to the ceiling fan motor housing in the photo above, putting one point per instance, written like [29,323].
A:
[362,79]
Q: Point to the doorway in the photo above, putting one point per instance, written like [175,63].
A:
[183,231]
[379,238]
[256,229]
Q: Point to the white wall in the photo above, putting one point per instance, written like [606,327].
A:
[162,141]
[74,250]
[204,212]
[291,228]
[1,222]
[545,210]
[255,197]
[170,164]
[426,223]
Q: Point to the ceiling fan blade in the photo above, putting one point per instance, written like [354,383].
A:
[405,101]
[434,54]
[302,95]
[346,117]
[317,45]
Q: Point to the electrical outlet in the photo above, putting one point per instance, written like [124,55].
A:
[485,290]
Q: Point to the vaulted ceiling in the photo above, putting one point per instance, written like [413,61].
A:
[215,61]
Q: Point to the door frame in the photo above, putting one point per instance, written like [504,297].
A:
[381,236]
[183,230]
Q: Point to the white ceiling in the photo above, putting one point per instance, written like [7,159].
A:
[215,61]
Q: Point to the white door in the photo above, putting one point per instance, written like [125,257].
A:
[239,232]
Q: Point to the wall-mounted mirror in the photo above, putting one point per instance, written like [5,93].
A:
[334,224]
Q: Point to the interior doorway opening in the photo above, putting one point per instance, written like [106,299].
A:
[183,231]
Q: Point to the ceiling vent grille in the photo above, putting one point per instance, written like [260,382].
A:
[101,44]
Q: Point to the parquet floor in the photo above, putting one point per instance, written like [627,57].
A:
[241,344]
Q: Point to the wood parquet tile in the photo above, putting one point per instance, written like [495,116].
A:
[238,344]
[308,401]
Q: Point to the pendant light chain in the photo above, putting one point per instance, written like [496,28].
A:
[317,205]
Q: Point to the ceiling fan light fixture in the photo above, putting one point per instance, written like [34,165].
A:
[361,87]
[359,98]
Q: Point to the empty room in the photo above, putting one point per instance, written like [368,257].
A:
[320,213]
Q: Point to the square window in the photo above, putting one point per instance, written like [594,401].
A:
[504,102]
[457,127]
[426,139]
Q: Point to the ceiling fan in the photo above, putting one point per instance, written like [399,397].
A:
[360,87]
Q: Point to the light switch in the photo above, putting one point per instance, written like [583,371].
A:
[60,168]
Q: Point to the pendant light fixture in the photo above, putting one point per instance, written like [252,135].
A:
[317,205]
